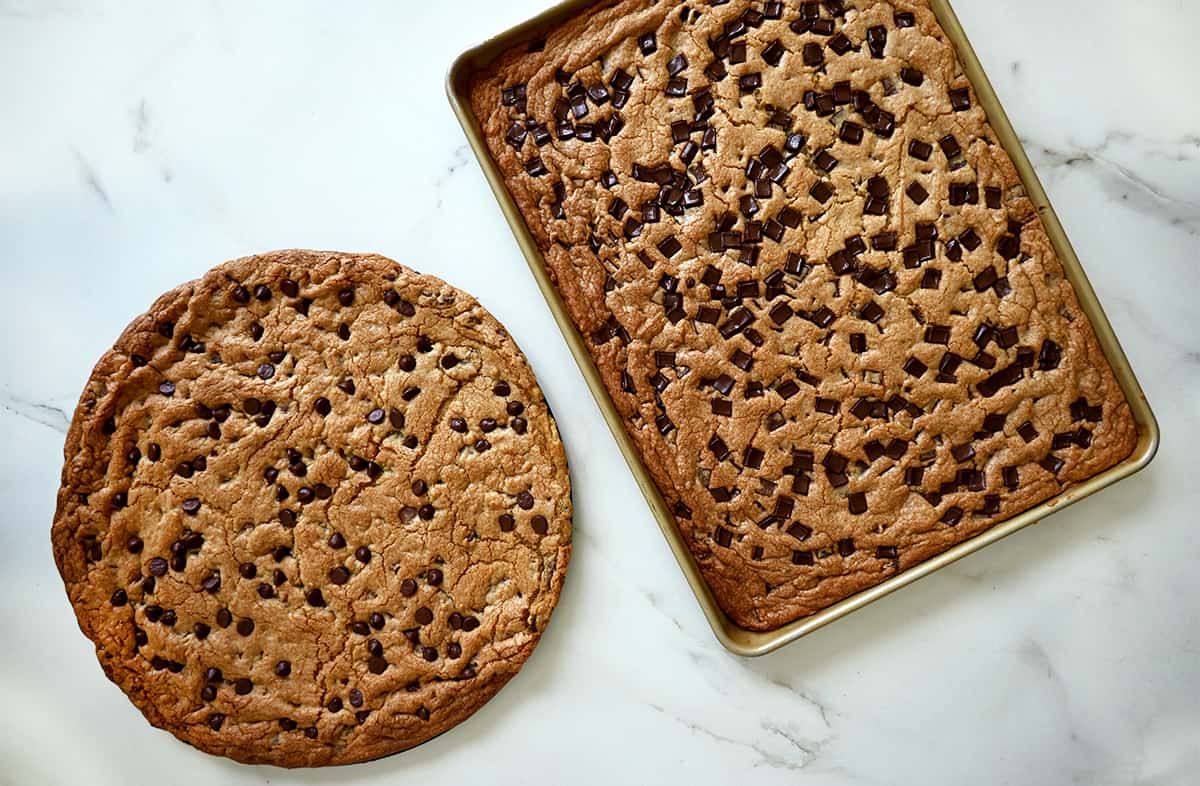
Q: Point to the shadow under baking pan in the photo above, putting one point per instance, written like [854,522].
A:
[1009,565]
[740,640]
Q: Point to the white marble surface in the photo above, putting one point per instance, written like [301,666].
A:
[142,142]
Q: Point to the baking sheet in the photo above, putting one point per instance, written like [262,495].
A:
[735,638]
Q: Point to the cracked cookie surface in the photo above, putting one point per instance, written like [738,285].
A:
[314,509]
[811,281]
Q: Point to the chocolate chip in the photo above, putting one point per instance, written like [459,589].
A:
[315,598]
[224,618]
[424,615]
[377,665]
[362,554]
[539,524]
[408,588]
[211,582]
[245,626]
[157,566]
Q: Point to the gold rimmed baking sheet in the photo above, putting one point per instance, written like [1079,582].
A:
[737,639]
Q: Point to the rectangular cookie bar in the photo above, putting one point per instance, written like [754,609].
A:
[811,280]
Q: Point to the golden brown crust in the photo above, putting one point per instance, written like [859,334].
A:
[609,273]
[350,487]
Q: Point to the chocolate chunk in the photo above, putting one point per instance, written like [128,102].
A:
[937,334]
[912,76]
[920,150]
[876,40]
[952,516]
[960,99]
[1049,356]
[813,54]
[916,192]
[821,191]
[950,146]
[748,83]
[850,132]
[1052,464]
[872,312]
[647,43]
[915,367]
[773,53]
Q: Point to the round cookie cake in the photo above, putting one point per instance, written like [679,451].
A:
[314,509]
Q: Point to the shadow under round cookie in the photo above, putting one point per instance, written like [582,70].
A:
[314,509]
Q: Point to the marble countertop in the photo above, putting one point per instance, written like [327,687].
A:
[143,142]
